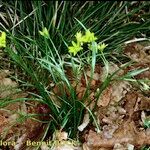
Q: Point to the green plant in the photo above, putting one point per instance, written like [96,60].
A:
[145,148]
[147,123]
[38,36]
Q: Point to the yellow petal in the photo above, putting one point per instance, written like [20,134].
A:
[79,36]
[3,39]
[89,37]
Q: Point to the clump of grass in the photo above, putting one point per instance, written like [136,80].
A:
[43,55]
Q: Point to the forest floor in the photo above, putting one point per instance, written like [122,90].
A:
[123,111]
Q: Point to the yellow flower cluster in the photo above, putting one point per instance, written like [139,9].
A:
[75,48]
[3,39]
[87,38]
[81,39]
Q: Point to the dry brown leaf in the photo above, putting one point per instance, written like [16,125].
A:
[3,123]
[108,131]
[85,147]
[125,134]
[130,102]
[119,146]
[136,52]
[105,97]
[119,89]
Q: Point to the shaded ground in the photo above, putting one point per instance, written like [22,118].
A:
[122,112]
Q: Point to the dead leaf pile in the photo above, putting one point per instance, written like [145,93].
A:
[15,125]
[122,110]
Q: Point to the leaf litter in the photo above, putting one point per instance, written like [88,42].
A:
[122,109]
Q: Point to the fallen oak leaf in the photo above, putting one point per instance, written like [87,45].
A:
[96,141]
[105,97]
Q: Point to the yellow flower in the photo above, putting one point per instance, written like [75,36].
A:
[89,37]
[44,32]
[79,36]
[75,48]
[3,40]
[102,46]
